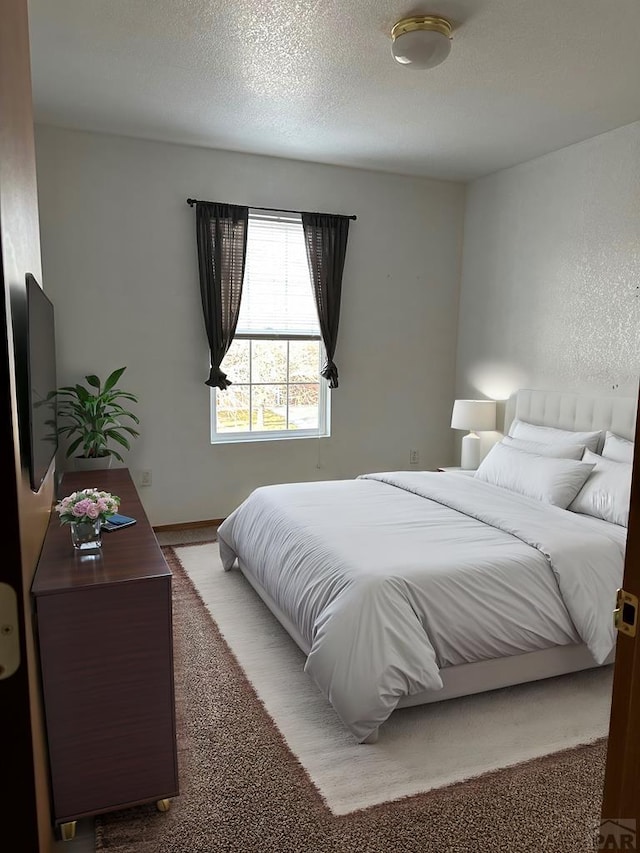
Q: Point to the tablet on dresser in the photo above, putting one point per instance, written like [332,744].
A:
[115,522]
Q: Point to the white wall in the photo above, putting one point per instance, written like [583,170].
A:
[550,294]
[119,258]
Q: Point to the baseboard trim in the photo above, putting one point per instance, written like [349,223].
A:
[188,525]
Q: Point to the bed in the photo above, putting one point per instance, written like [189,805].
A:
[404,588]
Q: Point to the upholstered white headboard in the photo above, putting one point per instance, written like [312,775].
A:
[573,411]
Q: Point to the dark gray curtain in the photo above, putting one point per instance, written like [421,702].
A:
[222,248]
[325,238]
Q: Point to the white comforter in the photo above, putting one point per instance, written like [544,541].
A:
[392,576]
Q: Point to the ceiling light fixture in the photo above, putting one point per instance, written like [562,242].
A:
[421,42]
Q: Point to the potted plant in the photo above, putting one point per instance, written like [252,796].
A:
[91,418]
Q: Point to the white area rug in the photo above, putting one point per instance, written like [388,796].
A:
[419,748]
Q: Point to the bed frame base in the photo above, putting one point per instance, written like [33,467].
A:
[468,678]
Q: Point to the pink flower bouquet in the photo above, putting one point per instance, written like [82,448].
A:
[87,506]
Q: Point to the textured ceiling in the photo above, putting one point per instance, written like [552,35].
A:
[314,79]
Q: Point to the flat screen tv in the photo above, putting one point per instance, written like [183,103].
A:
[41,366]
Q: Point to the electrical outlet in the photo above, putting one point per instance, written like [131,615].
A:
[145,478]
[413,457]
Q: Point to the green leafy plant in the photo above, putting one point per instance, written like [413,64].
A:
[92,417]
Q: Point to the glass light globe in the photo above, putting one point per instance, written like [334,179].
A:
[421,49]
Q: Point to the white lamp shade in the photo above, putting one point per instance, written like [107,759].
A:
[474,415]
[421,48]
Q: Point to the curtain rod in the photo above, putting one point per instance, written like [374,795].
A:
[192,201]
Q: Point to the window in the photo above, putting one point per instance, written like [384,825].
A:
[276,356]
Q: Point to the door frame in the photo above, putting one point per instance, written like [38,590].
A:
[621,798]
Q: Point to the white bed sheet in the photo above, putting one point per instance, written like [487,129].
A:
[391,577]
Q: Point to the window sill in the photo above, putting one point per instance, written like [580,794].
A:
[248,438]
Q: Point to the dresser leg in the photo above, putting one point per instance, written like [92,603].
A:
[68,830]
[163,805]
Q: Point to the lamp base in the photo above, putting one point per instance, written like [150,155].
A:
[470,456]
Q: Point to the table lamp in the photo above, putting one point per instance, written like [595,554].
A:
[476,416]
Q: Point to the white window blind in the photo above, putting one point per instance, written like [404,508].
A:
[277,297]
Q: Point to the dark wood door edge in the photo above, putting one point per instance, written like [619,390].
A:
[621,800]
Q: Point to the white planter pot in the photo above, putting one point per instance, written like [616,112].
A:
[96,463]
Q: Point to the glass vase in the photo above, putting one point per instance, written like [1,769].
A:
[85,535]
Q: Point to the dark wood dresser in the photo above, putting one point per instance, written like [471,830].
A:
[104,628]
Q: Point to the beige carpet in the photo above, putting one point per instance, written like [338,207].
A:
[419,748]
[243,791]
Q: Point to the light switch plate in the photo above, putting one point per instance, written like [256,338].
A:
[9,633]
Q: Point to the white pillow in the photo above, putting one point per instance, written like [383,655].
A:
[552,481]
[534,432]
[559,450]
[617,448]
[606,493]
